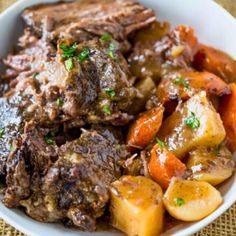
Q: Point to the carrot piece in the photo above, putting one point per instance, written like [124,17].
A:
[164,165]
[207,81]
[194,81]
[227,109]
[145,128]
[217,62]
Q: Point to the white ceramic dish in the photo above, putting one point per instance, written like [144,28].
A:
[213,25]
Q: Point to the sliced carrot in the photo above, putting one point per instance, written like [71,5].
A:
[182,85]
[145,128]
[217,62]
[207,81]
[164,165]
[170,88]
[227,109]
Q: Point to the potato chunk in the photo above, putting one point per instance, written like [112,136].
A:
[211,165]
[206,129]
[136,206]
[191,200]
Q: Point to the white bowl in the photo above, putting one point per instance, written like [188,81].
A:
[213,25]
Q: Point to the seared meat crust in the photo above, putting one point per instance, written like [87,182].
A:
[66,183]
[119,18]
[57,176]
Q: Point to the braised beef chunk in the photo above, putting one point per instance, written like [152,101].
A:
[43,153]
[17,178]
[68,73]
[27,164]
[99,88]
[71,182]
[32,57]
[117,17]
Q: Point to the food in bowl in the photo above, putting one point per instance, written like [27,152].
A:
[108,114]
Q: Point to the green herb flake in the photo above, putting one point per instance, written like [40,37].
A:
[59,102]
[161,144]
[179,201]
[110,92]
[69,64]
[105,37]
[192,121]
[84,55]
[1,132]
[112,51]
[35,75]
[49,138]
[68,51]
[181,82]
[106,109]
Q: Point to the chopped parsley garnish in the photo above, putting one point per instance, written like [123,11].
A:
[181,82]
[69,64]
[112,51]
[49,138]
[68,51]
[105,37]
[1,132]
[110,92]
[35,75]
[192,121]
[161,144]
[179,201]
[106,109]
[84,55]
[59,102]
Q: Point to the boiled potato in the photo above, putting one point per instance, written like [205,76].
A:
[190,200]
[211,165]
[136,206]
[194,123]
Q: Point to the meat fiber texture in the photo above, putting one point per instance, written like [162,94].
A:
[53,161]
[67,183]
[119,18]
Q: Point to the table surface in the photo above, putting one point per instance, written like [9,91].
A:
[223,226]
